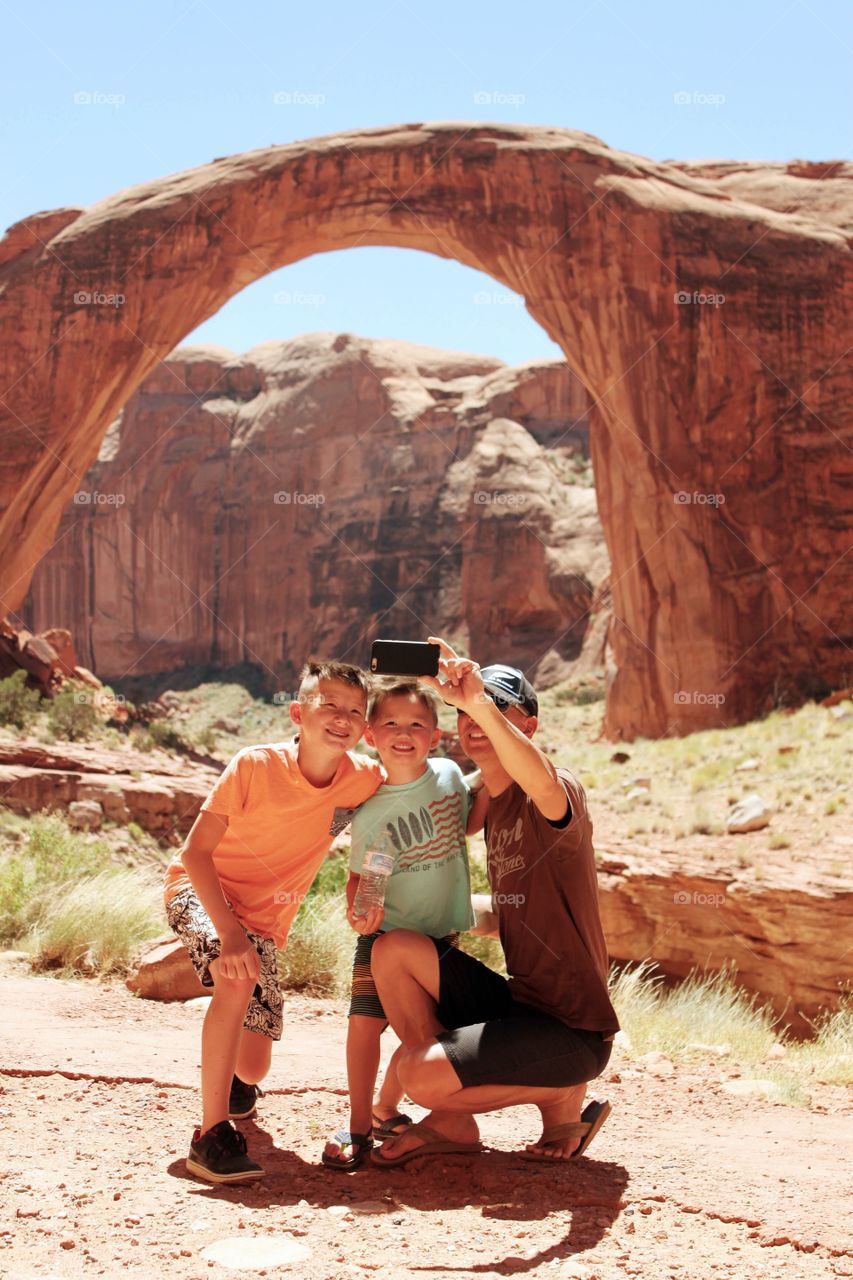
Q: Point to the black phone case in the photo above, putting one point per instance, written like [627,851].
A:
[404,658]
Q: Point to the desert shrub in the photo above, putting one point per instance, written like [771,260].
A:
[164,735]
[95,925]
[52,855]
[72,716]
[19,705]
[318,958]
[703,1009]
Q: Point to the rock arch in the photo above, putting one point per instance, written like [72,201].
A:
[704,307]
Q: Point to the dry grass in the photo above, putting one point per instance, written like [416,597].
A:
[95,926]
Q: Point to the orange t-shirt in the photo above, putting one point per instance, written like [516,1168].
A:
[279,831]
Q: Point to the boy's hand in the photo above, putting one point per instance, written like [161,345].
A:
[371,923]
[238,958]
[463,685]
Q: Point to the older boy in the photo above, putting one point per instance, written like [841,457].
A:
[231,897]
[421,814]
[474,1041]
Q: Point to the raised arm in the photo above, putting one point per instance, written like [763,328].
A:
[463,688]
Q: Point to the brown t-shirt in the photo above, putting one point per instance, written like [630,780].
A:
[545,892]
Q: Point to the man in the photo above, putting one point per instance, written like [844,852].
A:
[473,1041]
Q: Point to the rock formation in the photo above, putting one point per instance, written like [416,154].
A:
[704,306]
[316,493]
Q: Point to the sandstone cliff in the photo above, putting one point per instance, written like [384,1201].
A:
[315,493]
[706,308]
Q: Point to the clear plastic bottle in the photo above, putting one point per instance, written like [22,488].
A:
[375,870]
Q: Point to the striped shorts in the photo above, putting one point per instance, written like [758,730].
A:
[364,1000]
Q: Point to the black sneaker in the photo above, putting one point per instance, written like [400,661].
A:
[220,1156]
[242,1099]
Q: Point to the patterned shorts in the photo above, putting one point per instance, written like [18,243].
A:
[364,1000]
[197,932]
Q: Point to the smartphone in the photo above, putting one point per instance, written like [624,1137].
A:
[404,658]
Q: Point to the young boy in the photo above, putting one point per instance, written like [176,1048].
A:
[232,895]
[421,815]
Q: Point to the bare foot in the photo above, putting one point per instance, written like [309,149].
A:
[451,1125]
[566,1111]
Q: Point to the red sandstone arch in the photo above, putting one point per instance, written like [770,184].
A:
[744,399]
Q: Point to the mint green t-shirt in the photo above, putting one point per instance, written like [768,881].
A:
[423,822]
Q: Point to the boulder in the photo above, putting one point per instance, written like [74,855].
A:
[85,815]
[166,973]
[749,814]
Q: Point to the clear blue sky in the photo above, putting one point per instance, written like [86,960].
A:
[174,83]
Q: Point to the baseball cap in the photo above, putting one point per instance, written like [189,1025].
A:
[507,686]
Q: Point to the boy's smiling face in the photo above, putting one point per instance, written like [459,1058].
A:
[332,717]
[403,731]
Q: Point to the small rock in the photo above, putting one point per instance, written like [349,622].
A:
[751,1088]
[636,793]
[255,1253]
[750,814]
[776,1051]
[719,1050]
[620,757]
[641,781]
[85,815]
[68,1244]
[747,765]
[227,725]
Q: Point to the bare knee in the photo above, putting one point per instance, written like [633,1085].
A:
[232,990]
[392,951]
[419,1077]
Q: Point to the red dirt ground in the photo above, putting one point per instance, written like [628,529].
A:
[686,1181]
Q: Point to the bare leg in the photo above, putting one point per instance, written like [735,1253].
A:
[387,1102]
[406,971]
[254,1056]
[220,1041]
[363,1036]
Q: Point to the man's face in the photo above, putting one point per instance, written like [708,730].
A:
[474,741]
[332,717]
[403,732]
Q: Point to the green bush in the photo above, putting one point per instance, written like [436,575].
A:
[72,716]
[52,855]
[162,734]
[318,957]
[19,705]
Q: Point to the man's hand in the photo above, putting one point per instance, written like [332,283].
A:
[238,958]
[371,923]
[462,686]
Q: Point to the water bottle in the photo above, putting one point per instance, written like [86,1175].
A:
[375,870]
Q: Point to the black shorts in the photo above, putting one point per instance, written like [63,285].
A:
[364,1000]
[493,1039]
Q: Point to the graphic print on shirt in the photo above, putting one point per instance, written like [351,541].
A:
[439,827]
[504,850]
[341,819]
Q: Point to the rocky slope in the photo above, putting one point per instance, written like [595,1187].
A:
[316,493]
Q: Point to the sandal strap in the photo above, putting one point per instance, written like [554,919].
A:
[346,1139]
[557,1132]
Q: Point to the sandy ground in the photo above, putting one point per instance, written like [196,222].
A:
[98,1098]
